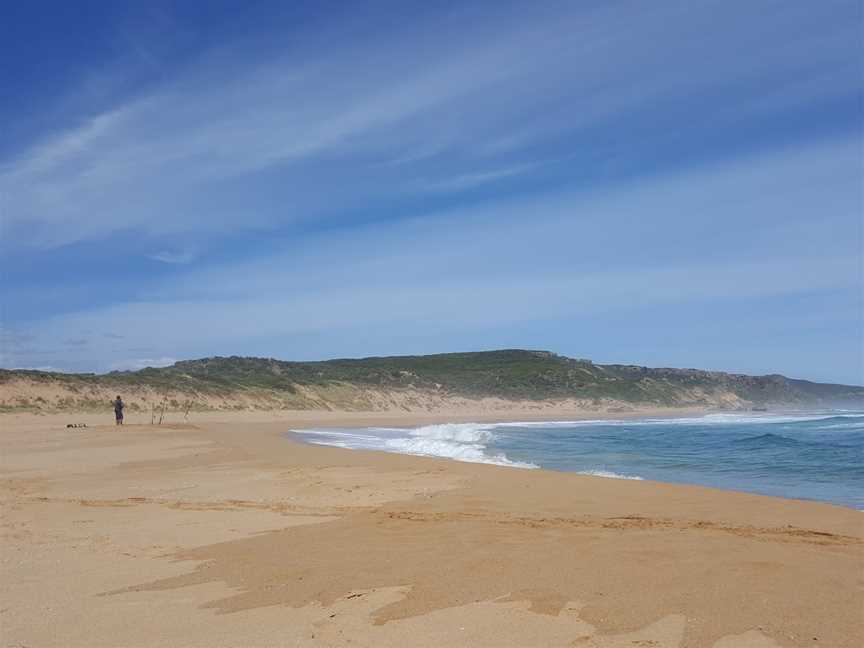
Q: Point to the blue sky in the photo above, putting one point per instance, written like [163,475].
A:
[662,183]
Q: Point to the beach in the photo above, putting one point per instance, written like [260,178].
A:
[222,531]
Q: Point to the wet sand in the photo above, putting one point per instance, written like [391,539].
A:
[226,533]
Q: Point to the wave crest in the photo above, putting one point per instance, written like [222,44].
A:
[609,474]
[460,441]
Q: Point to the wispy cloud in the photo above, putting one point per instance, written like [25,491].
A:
[141,363]
[470,180]
[749,231]
[199,152]
[48,368]
[488,167]
[182,257]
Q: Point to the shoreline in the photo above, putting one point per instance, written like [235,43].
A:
[291,437]
[229,533]
[297,434]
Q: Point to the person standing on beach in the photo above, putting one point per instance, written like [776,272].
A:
[118,410]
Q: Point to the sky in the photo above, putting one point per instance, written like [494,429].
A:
[669,183]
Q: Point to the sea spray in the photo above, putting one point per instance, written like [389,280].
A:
[460,441]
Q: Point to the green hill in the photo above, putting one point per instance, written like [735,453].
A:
[368,383]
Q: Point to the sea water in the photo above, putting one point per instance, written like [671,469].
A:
[816,455]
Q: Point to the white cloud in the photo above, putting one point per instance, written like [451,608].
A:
[471,180]
[181,257]
[205,151]
[234,141]
[141,363]
[47,368]
[744,230]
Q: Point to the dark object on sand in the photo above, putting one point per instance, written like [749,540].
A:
[76,425]
[119,405]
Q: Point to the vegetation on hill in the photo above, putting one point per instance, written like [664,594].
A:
[508,374]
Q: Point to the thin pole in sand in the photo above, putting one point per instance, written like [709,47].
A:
[152,413]
[162,414]
[186,413]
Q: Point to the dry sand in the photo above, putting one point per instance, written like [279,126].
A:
[227,534]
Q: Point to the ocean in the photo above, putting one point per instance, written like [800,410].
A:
[816,455]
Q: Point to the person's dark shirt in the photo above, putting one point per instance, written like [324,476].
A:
[118,406]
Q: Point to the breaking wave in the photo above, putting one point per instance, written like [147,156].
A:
[460,441]
[729,418]
[609,474]
[800,454]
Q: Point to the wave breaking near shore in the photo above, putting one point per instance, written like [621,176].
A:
[801,454]
[460,441]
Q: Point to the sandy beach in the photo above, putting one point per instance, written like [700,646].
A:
[223,532]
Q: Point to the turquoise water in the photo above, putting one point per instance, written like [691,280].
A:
[815,455]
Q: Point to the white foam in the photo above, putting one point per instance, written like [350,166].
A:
[471,441]
[456,432]
[609,474]
[459,441]
[725,418]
